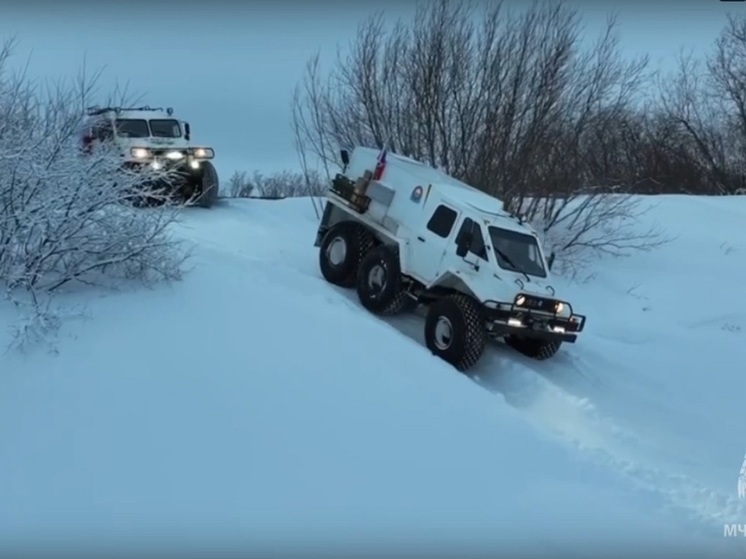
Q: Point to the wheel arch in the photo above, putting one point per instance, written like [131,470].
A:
[450,284]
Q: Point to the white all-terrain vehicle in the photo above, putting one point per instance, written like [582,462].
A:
[152,137]
[405,234]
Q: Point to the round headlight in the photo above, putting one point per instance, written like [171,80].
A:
[204,152]
[559,307]
[139,153]
[520,300]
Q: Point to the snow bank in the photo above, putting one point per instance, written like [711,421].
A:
[253,406]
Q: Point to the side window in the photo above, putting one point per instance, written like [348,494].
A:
[478,241]
[442,221]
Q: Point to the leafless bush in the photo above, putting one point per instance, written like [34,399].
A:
[240,185]
[510,102]
[580,228]
[67,217]
[285,184]
[705,103]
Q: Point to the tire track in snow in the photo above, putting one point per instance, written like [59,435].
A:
[577,421]
[560,410]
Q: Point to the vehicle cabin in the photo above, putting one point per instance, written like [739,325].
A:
[416,202]
[156,126]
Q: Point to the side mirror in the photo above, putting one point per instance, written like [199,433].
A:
[345,157]
[187,131]
[550,260]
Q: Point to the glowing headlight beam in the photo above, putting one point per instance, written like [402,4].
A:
[139,153]
[205,153]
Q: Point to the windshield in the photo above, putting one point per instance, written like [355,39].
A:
[517,252]
[132,128]
[165,128]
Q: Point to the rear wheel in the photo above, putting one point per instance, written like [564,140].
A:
[454,331]
[343,248]
[533,348]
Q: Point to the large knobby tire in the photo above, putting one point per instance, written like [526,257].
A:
[379,285]
[342,250]
[207,191]
[533,348]
[454,331]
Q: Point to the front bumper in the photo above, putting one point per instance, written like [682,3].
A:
[192,167]
[184,160]
[508,318]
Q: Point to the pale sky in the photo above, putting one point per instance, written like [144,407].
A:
[229,66]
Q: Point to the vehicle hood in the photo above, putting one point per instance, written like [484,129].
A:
[541,287]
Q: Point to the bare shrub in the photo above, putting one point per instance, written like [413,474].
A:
[704,102]
[67,217]
[240,185]
[580,228]
[285,184]
[510,102]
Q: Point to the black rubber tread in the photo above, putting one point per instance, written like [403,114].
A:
[359,243]
[209,189]
[392,298]
[469,340]
[540,350]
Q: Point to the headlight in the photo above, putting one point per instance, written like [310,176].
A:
[174,155]
[205,153]
[140,153]
[520,300]
[559,307]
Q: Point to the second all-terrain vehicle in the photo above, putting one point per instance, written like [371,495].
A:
[406,234]
[149,137]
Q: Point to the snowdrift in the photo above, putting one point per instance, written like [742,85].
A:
[254,407]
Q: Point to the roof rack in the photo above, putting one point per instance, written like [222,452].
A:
[96,110]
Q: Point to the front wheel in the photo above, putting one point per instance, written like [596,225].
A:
[207,190]
[454,331]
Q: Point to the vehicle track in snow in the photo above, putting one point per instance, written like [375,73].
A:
[568,396]
[556,396]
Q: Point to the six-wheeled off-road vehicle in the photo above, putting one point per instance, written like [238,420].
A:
[405,234]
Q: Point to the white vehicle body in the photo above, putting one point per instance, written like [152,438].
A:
[425,212]
[429,257]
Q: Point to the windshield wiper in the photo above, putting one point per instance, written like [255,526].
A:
[505,257]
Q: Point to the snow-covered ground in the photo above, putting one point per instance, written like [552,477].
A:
[255,407]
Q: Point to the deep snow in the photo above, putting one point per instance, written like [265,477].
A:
[253,406]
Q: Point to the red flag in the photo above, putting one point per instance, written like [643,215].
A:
[380,165]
